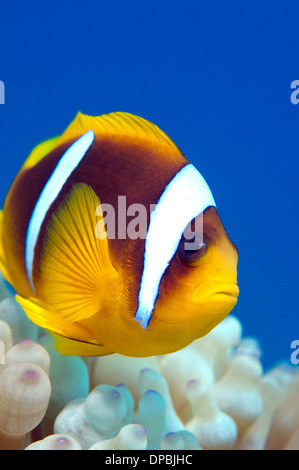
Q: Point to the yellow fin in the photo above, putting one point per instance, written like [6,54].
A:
[39,152]
[3,268]
[39,314]
[79,342]
[118,125]
[77,278]
[71,347]
[1,243]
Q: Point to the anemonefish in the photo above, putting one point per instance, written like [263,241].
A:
[133,295]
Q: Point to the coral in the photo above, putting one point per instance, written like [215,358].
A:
[130,437]
[55,442]
[69,379]
[212,428]
[25,391]
[100,416]
[212,394]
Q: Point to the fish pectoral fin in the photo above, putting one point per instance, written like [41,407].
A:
[77,278]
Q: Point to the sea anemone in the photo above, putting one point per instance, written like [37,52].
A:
[212,394]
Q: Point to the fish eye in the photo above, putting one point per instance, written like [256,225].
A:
[191,251]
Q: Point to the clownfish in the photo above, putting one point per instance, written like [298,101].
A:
[96,287]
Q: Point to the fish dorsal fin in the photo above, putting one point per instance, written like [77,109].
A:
[39,152]
[119,126]
[76,274]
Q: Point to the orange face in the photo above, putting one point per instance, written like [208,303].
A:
[197,291]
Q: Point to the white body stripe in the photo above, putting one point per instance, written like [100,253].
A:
[66,165]
[185,197]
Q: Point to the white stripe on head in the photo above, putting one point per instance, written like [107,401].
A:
[66,165]
[185,197]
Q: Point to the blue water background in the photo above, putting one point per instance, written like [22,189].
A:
[216,77]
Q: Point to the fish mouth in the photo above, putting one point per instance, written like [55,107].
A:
[228,290]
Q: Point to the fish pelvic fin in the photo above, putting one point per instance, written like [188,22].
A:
[72,347]
[80,340]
